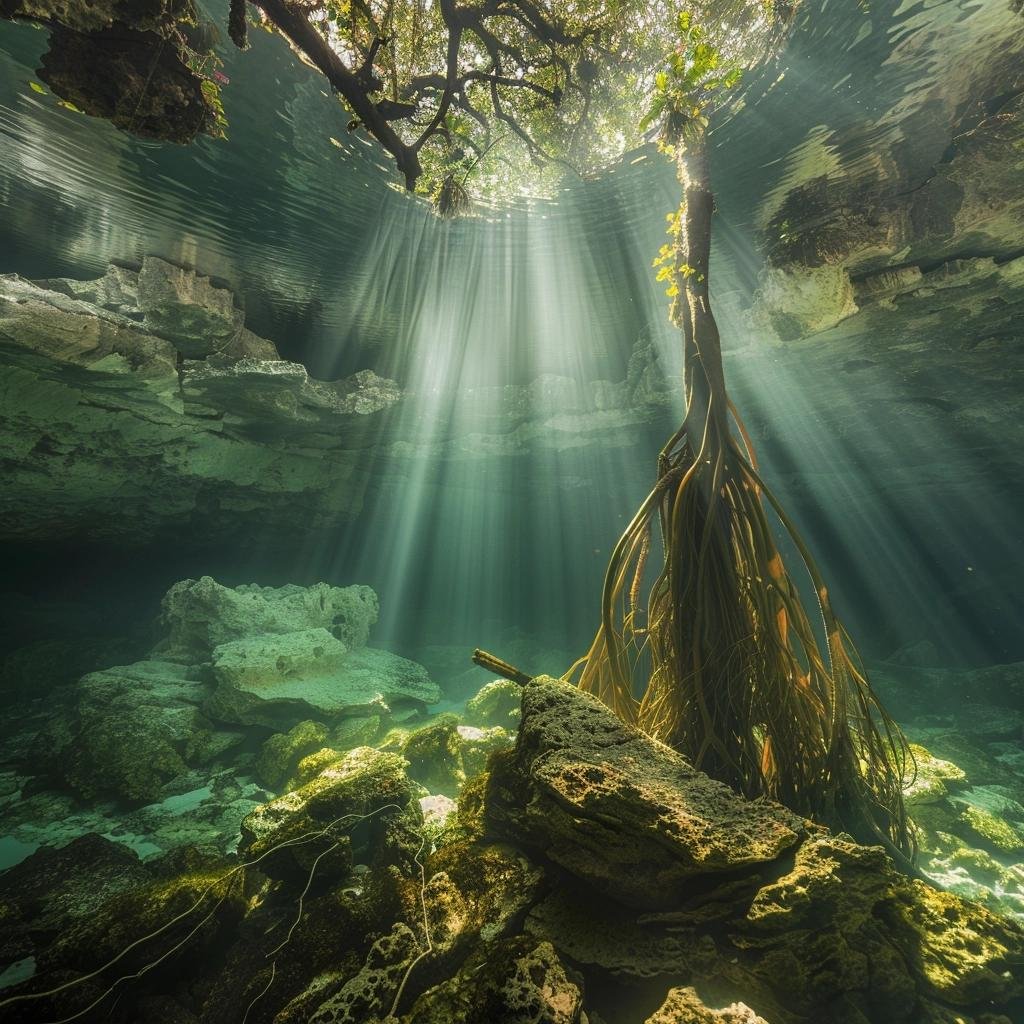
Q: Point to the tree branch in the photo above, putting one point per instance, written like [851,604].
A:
[308,40]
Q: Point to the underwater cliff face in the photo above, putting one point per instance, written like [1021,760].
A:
[279,449]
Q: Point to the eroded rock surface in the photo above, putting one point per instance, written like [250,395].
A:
[625,813]
[114,429]
[358,911]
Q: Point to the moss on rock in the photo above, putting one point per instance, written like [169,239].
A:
[496,703]
[325,811]
[282,752]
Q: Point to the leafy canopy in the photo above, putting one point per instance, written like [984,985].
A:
[509,96]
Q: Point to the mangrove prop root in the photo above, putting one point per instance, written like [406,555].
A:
[721,660]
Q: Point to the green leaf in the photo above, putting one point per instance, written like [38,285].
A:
[36,87]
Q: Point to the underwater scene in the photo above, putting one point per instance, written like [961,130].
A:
[511,511]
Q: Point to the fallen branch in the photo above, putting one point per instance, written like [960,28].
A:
[499,667]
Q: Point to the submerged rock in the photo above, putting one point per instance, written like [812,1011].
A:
[202,614]
[496,704]
[555,894]
[109,439]
[138,727]
[187,309]
[365,784]
[276,680]
[282,752]
[621,811]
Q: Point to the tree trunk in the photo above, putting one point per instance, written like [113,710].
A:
[706,403]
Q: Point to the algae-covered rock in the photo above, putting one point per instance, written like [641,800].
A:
[434,754]
[931,778]
[366,786]
[278,679]
[497,703]
[991,831]
[137,728]
[478,744]
[185,922]
[52,888]
[202,614]
[624,813]
[282,752]
[356,731]
[370,993]
[517,981]
[312,765]
[684,1006]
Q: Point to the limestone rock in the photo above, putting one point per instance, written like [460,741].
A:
[496,703]
[434,754]
[272,398]
[684,1006]
[53,888]
[519,982]
[478,745]
[364,782]
[138,727]
[66,330]
[796,304]
[101,443]
[202,614]
[284,678]
[187,308]
[369,994]
[991,831]
[627,815]
[117,290]
[930,778]
[282,752]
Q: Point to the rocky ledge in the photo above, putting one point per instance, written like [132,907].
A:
[590,876]
[245,684]
[140,403]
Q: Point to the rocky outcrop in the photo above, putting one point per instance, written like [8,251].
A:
[939,180]
[114,429]
[708,909]
[364,784]
[624,813]
[200,615]
[236,663]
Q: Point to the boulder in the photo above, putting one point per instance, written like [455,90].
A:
[496,704]
[277,680]
[53,888]
[137,728]
[365,785]
[621,811]
[684,1006]
[202,614]
[434,754]
[282,752]
[186,308]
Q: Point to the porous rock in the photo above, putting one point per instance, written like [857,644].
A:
[364,782]
[278,680]
[621,811]
[203,614]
